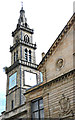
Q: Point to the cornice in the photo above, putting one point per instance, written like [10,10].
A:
[22,28]
[23,43]
[25,111]
[42,85]
[57,41]
[21,62]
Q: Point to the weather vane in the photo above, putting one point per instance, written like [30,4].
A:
[22,4]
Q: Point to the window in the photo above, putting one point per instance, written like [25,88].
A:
[17,55]
[41,76]
[14,57]
[26,55]
[26,38]
[12,104]
[29,55]
[37,109]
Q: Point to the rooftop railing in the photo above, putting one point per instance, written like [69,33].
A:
[24,43]
[28,63]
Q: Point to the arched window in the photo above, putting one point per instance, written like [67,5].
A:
[14,57]
[29,55]
[26,38]
[26,58]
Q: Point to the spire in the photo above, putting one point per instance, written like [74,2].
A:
[22,21]
[21,5]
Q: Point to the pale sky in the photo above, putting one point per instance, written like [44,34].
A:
[46,17]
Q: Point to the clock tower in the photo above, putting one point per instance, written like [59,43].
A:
[23,73]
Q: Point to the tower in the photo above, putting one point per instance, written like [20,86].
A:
[23,72]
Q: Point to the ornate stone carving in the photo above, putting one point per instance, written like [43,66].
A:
[65,107]
[59,63]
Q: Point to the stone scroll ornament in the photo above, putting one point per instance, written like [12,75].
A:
[65,107]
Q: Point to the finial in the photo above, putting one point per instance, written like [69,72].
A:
[21,5]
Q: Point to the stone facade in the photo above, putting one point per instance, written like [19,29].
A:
[57,90]
[21,61]
[58,96]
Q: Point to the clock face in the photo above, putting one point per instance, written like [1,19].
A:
[12,80]
[30,78]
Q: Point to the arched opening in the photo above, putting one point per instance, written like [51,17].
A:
[26,58]
[26,38]
[29,55]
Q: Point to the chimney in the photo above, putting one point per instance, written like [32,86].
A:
[43,54]
[74,7]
